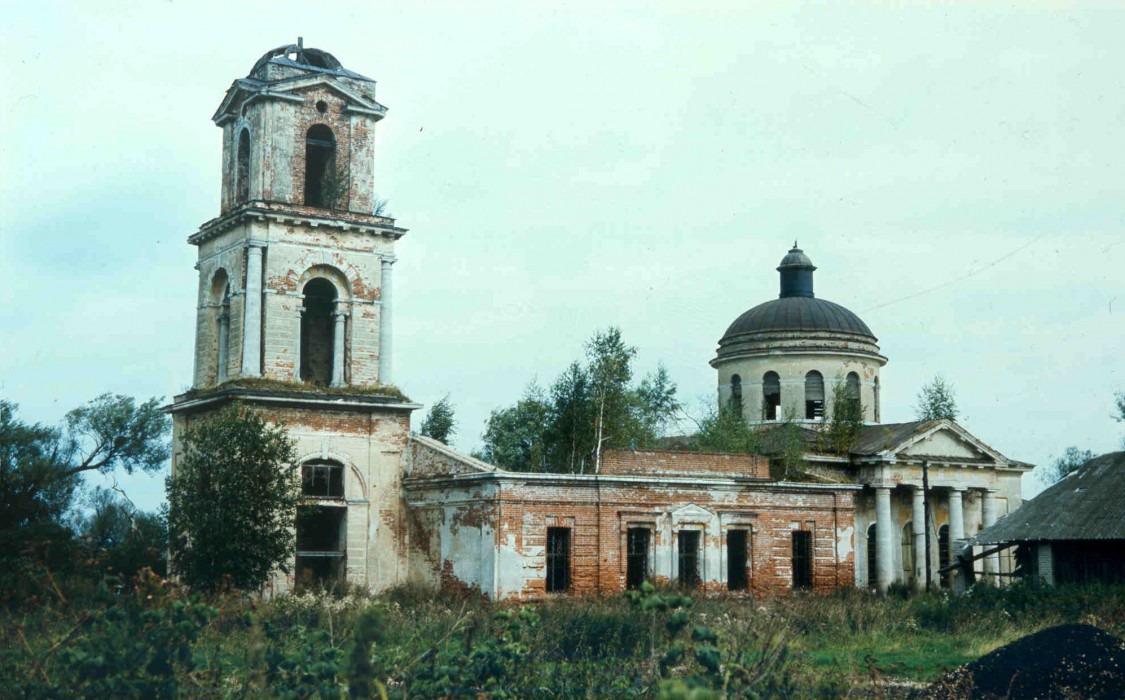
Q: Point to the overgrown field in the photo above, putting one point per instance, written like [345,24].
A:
[156,641]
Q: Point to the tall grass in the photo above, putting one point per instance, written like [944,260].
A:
[411,642]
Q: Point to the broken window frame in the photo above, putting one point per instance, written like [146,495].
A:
[736,393]
[814,396]
[738,559]
[312,553]
[689,558]
[328,472]
[558,555]
[638,541]
[802,560]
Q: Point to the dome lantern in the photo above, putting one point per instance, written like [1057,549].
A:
[796,274]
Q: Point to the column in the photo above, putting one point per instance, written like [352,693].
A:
[338,348]
[297,344]
[918,518]
[385,324]
[988,517]
[252,323]
[224,335]
[956,521]
[884,539]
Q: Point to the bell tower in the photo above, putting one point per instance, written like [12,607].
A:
[294,303]
[295,273]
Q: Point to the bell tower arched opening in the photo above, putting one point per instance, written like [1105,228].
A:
[322,183]
[242,173]
[317,331]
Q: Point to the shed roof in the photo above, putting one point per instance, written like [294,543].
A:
[1086,505]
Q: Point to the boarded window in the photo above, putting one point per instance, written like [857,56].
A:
[737,547]
[636,557]
[320,545]
[771,396]
[322,181]
[736,393]
[317,331]
[242,173]
[558,559]
[908,551]
[322,479]
[872,548]
[943,552]
[802,559]
[689,558]
[814,396]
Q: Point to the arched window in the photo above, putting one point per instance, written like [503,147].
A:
[771,396]
[322,182]
[876,399]
[242,174]
[943,552]
[220,297]
[851,394]
[908,551]
[736,393]
[322,479]
[317,331]
[814,396]
[872,547]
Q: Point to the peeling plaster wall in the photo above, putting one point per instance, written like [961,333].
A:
[372,446]
[509,515]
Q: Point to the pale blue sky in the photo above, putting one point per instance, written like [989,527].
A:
[637,164]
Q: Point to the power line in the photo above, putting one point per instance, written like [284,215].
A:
[955,280]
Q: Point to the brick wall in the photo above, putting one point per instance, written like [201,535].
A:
[600,511]
[655,462]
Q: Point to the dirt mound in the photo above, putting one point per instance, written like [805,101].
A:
[1068,661]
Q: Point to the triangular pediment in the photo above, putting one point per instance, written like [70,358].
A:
[293,90]
[691,512]
[945,441]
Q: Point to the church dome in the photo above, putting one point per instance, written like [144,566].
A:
[304,60]
[797,320]
[798,314]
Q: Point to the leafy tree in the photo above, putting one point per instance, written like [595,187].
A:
[232,501]
[1071,459]
[726,430]
[567,434]
[936,400]
[41,467]
[513,437]
[846,420]
[439,423]
[591,405]
[125,539]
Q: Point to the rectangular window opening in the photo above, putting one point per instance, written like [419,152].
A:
[689,558]
[558,559]
[802,559]
[737,541]
[636,557]
[320,546]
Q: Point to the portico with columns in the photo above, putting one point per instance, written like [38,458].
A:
[791,360]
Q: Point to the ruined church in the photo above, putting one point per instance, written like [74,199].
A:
[294,321]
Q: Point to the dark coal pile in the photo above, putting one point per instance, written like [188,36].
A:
[1068,661]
